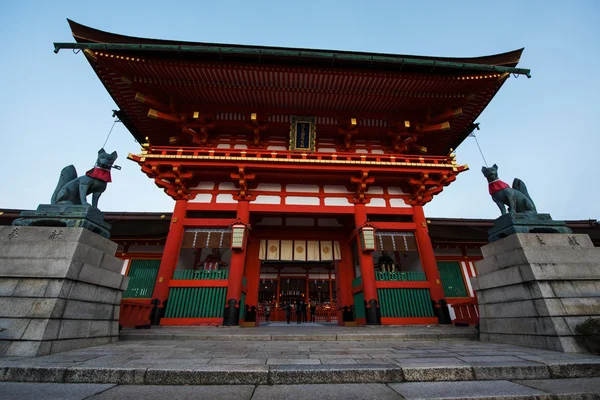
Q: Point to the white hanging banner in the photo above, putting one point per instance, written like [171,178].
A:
[299,250]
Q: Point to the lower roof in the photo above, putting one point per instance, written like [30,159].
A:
[451,232]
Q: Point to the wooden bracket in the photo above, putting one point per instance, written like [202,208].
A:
[347,129]
[362,182]
[243,178]
[256,127]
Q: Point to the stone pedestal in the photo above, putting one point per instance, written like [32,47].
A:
[66,215]
[533,289]
[509,224]
[60,289]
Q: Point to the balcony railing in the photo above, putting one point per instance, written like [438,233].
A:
[192,153]
[400,276]
[190,274]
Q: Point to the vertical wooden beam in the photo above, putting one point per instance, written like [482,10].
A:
[330,290]
[170,255]
[344,273]
[307,288]
[252,272]
[367,271]
[278,286]
[426,253]
[231,315]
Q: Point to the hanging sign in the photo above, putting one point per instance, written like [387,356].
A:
[303,133]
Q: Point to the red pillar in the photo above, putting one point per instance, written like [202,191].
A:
[427,256]
[252,271]
[330,290]
[278,289]
[344,272]
[236,272]
[367,271]
[307,288]
[170,255]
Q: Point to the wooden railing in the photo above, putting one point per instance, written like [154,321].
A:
[466,312]
[190,274]
[191,153]
[135,313]
[400,276]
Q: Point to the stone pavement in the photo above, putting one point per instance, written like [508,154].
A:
[329,362]
[579,388]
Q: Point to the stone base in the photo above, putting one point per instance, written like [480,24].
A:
[66,215]
[60,289]
[533,289]
[509,224]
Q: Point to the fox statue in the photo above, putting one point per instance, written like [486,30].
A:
[74,190]
[516,198]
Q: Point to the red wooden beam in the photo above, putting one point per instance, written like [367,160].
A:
[395,226]
[402,285]
[152,113]
[191,321]
[208,222]
[198,283]
[150,100]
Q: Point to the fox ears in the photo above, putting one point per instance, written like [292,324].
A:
[113,154]
[493,166]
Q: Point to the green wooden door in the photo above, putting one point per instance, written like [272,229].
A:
[142,277]
[452,279]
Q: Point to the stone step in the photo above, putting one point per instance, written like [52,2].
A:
[286,374]
[308,334]
[579,388]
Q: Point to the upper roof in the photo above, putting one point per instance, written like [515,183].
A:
[298,56]
[231,81]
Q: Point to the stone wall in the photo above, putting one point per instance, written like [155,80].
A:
[60,289]
[533,289]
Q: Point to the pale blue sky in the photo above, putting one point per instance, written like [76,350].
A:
[54,111]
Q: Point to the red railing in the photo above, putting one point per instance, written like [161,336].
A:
[278,314]
[257,155]
[135,313]
[466,312]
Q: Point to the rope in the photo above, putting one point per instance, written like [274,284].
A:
[111,129]
[479,147]
[472,134]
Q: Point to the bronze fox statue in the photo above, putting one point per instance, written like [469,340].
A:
[516,198]
[74,190]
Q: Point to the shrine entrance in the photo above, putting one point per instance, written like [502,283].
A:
[302,285]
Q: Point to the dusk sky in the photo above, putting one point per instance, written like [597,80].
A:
[544,130]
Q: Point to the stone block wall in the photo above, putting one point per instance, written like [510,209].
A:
[60,289]
[533,289]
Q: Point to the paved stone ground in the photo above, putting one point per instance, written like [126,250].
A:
[279,362]
[287,362]
[579,388]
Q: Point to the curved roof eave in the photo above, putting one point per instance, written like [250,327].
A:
[85,34]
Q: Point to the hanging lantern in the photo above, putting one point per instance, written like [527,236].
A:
[238,232]
[367,238]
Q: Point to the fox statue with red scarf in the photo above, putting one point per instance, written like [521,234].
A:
[516,198]
[74,190]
